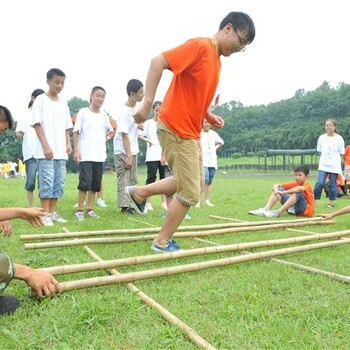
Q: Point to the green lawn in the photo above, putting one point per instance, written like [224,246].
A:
[252,305]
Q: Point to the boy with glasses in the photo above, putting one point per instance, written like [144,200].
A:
[196,67]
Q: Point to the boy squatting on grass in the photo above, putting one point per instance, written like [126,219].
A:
[41,282]
[296,197]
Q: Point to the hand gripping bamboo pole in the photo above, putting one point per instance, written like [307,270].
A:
[107,264]
[167,315]
[74,242]
[168,271]
[51,236]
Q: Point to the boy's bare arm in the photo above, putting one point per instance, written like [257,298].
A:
[76,146]
[44,143]
[296,189]
[345,210]
[68,143]
[127,147]
[155,72]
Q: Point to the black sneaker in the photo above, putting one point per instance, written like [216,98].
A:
[129,211]
[8,304]
[140,208]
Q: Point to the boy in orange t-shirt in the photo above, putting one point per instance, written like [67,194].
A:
[196,68]
[296,197]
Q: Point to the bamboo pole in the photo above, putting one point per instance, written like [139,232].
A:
[74,242]
[332,275]
[167,315]
[168,271]
[107,264]
[335,276]
[51,236]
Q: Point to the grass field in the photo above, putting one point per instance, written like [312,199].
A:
[252,305]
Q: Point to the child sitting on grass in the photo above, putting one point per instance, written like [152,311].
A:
[296,197]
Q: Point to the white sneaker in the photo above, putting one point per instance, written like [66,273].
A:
[57,218]
[149,207]
[272,214]
[291,210]
[79,216]
[164,206]
[258,212]
[207,203]
[47,220]
[92,214]
[101,203]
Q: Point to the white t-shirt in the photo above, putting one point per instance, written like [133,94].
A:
[209,140]
[29,135]
[331,149]
[125,124]
[92,128]
[154,152]
[54,118]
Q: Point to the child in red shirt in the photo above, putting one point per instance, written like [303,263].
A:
[296,197]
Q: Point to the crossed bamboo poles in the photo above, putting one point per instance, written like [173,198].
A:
[116,277]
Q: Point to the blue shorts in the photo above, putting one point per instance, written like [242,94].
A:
[51,177]
[31,171]
[209,173]
[299,207]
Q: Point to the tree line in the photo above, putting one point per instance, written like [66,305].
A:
[294,123]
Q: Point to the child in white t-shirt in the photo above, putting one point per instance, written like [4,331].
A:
[52,123]
[91,129]
[126,145]
[210,142]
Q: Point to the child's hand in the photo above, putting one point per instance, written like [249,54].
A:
[6,227]
[33,215]
[325,216]
[215,121]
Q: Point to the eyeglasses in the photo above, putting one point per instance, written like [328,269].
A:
[242,42]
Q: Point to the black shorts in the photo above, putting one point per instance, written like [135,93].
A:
[90,176]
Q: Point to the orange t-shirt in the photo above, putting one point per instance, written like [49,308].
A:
[308,194]
[196,67]
[347,156]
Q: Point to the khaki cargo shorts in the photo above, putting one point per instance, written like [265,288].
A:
[184,157]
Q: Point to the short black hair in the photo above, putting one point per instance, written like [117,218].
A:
[95,88]
[6,116]
[53,72]
[241,22]
[156,103]
[302,169]
[133,85]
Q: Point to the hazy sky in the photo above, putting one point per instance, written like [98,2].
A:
[298,44]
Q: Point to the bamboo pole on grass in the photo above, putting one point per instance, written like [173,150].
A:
[74,242]
[51,236]
[107,264]
[167,315]
[332,275]
[168,271]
